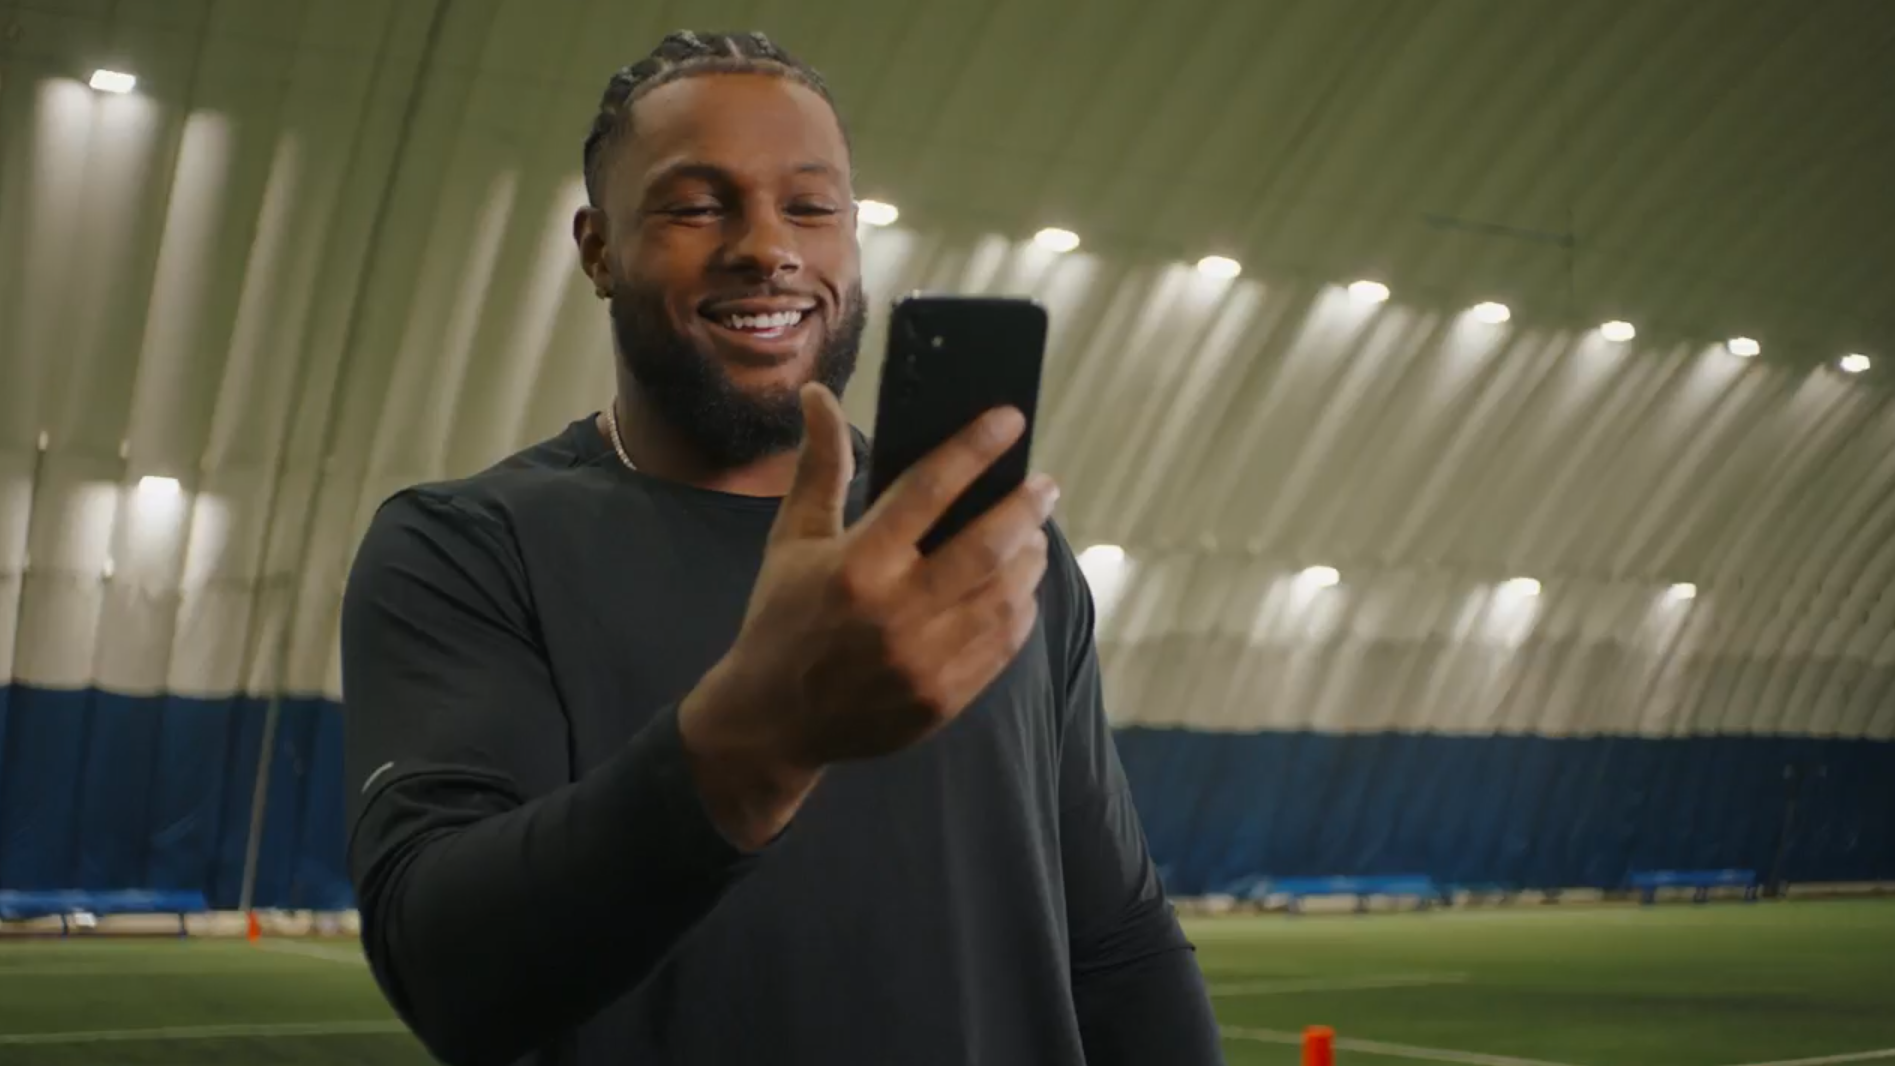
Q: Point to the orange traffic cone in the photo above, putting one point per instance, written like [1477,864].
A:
[1319,1046]
[254,930]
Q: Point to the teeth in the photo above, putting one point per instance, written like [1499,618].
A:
[779,320]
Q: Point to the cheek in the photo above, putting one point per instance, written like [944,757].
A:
[669,265]
[840,270]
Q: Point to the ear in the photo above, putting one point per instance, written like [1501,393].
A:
[590,228]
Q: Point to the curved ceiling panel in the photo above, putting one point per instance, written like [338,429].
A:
[322,253]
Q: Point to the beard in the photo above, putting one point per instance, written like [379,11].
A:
[727,425]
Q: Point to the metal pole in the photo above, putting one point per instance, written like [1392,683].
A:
[1792,777]
[259,794]
[350,345]
[93,687]
[26,568]
[26,555]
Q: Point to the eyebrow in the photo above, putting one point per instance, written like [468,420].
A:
[717,175]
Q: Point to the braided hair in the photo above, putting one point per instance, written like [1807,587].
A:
[681,55]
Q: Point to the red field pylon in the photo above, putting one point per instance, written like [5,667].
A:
[1319,1046]
[254,929]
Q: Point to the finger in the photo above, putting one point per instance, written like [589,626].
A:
[923,492]
[988,543]
[981,607]
[813,507]
[990,627]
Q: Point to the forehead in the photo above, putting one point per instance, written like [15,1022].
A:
[751,125]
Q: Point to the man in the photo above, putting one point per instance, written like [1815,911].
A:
[662,750]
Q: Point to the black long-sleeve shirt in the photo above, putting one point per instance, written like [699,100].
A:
[539,881]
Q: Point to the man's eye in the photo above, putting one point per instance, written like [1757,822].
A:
[813,210]
[692,211]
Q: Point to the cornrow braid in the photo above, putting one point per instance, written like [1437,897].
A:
[681,55]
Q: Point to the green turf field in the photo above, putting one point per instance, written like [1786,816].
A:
[1676,985]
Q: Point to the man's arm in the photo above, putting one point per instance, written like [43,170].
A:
[1140,996]
[501,902]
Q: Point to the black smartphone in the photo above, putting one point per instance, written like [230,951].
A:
[951,358]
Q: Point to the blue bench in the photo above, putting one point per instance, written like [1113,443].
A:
[1647,882]
[1363,889]
[1481,891]
[1242,888]
[18,906]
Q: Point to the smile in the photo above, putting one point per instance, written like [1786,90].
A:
[767,330]
[763,327]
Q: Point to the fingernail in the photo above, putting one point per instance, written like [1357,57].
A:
[1001,423]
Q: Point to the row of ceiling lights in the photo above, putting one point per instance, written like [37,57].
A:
[1107,557]
[1054,239]
[878,213]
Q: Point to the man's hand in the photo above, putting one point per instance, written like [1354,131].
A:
[855,644]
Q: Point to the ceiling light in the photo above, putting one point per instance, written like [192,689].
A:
[1054,239]
[1368,292]
[112,81]
[152,485]
[1743,346]
[876,213]
[1854,364]
[1104,566]
[1618,332]
[1520,588]
[1683,590]
[1218,266]
[1492,313]
[1319,577]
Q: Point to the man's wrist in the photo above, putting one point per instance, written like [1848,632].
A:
[750,789]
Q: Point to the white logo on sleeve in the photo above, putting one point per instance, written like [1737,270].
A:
[379,771]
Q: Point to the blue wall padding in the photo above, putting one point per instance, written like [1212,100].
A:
[103,791]
[1522,810]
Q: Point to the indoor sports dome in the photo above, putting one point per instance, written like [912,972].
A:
[1476,417]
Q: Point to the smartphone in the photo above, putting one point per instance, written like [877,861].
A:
[951,358]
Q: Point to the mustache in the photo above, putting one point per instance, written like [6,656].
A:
[765,291]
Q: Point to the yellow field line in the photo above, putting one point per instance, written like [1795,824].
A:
[1335,984]
[206,1032]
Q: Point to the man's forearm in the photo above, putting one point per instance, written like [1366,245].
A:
[1150,1009]
[750,790]
[1139,994]
[492,932]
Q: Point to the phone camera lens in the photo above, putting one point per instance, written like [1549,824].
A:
[938,341]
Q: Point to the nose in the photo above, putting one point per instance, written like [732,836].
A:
[763,245]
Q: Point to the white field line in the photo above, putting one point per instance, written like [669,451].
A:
[1831,1060]
[94,971]
[206,1032]
[312,951]
[1374,1047]
[1336,984]
[324,952]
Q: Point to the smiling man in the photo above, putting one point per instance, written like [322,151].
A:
[662,749]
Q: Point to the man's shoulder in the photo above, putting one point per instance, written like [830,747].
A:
[1066,601]
[549,465]
[1063,574]
[485,506]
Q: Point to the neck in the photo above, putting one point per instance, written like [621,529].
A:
[659,450]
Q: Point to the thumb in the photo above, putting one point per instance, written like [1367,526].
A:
[813,506]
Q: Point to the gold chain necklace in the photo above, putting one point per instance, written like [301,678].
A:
[612,424]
